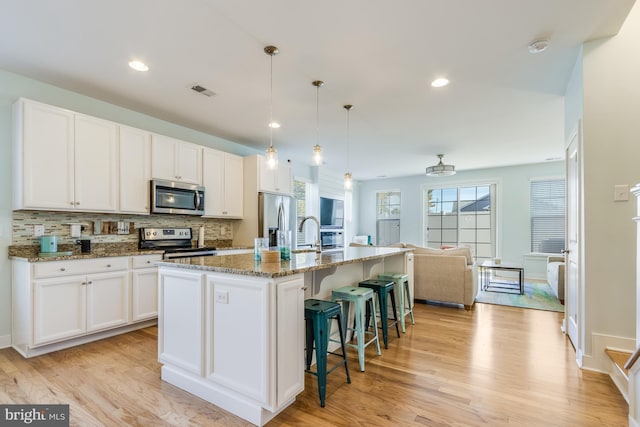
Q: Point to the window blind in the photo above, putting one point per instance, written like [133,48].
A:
[547,216]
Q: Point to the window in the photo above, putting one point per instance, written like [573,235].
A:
[461,216]
[387,217]
[547,216]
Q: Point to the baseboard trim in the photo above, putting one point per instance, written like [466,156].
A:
[5,341]
[598,360]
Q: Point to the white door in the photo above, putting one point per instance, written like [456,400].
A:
[189,163]
[107,300]
[135,170]
[573,312]
[59,308]
[144,294]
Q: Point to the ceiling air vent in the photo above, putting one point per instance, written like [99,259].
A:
[203,90]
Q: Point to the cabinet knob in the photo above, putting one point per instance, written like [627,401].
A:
[71,203]
[148,262]
[62,269]
[84,283]
[89,282]
[108,265]
[77,203]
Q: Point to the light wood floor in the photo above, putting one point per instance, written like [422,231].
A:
[492,366]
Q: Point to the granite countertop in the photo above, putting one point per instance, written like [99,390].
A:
[31,253]
[301,262]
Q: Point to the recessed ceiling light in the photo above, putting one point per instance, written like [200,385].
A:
[138,65]
[274,125]
[538,46]
[440,82]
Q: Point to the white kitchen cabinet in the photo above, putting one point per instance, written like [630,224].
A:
[107,300]
[181,320]
[59,308]
[222,177]
[135,170]
[245,334]
[63,160]
[233,302]
[144,287]
[290,332]
[175,160]
[58,304]
[277,180]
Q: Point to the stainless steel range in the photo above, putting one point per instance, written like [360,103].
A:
[176,242]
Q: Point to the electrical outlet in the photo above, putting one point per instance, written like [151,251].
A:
[38,230]
[222,297]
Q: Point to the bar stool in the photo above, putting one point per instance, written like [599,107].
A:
[360,297]
[384,289]
[404,296]
[318,315]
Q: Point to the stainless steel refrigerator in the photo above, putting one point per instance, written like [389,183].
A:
[276,212]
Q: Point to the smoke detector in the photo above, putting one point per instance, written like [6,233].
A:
[203,90]
[538,46]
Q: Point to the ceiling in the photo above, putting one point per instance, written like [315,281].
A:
[504,106]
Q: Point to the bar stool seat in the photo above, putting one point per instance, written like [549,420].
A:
[385,290]
[318,315]
[360,297]
[405,303]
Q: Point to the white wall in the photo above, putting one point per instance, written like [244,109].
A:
[611,70]
[513,233]
[12,87]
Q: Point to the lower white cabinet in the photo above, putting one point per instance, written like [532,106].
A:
[58,304]
[144,287]
[236,341]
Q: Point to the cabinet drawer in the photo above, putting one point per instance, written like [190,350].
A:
[84,266]
[144,261]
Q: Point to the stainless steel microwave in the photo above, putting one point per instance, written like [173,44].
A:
[171,197]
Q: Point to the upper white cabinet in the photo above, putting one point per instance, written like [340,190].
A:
[135,170]
[63,160]
[277,180]
[96,164]
[222,178]
[175,160]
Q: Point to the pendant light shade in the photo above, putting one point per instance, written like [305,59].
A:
[271,152]
[441,169]
[348,179]
[317,149]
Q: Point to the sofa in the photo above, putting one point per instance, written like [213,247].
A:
[555,276]
[443,275]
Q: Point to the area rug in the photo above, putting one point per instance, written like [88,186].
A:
[537,296]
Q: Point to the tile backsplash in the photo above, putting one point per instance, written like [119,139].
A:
[57,223]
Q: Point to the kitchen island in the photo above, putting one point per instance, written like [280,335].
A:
[231,330]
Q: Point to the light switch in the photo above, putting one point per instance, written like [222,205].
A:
[621,193]
[222,297]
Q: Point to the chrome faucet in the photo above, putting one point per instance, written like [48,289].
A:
[318,247]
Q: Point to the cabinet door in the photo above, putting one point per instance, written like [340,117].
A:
[144,294]
[163,157]
[233,186]
[213,181]
[59,308]
[47,158]
[275,180]
[96,164]
[240,321]
[135,170]
[107,300]
[189,163]
[181,320]
[290,335]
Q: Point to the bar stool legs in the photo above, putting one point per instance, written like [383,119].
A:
[360,297]
[385,290]
[318,315]
[405,303]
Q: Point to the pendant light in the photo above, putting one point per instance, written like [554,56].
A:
[441,169]
[271,152]
[317,149]
[348,181]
